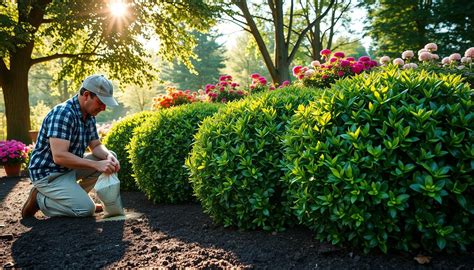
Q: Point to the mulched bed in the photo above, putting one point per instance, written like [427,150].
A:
[173,236]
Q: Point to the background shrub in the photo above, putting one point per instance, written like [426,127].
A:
[159,148]
[118,139]
[234,163]
[386,162]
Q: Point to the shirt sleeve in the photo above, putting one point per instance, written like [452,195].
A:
[61,125]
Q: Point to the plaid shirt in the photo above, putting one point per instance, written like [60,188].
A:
[64,121]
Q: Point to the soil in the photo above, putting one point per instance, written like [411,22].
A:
[173,236]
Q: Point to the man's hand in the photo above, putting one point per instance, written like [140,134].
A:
[114,161]
[106,166]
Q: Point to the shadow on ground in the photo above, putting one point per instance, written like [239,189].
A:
[59,243]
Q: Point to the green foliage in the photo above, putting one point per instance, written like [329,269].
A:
[118,140]
[398,25]
[234,164]
[159,148]
[387,161]
[209,60]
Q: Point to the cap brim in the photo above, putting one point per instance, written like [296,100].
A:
[109,101]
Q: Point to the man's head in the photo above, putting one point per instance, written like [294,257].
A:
[101,87]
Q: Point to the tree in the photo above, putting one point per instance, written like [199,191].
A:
[398,25]
[322,34]
[243,60]
[282,27]
[90,37]
[209,60]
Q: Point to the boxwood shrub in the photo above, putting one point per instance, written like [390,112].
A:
[388,161]
[159,148]
[118,139]
[234,163]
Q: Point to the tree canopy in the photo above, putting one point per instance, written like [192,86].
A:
[398,25]
[90,37]
[207,64]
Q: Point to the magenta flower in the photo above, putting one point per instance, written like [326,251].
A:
[364,59]
[325,52]
[350,59]
[255,76]
[339,54]
[333,59]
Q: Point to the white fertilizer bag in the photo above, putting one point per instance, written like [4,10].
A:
[107,188]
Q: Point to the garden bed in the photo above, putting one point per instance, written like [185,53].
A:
[172,236]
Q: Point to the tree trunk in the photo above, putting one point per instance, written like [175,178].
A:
[17,106]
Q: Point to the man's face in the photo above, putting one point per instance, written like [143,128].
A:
[94,105]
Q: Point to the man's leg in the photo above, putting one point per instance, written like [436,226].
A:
[60,195]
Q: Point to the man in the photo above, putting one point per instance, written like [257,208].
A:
[58,161]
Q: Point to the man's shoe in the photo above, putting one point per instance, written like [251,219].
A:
[98,208]
[31,206]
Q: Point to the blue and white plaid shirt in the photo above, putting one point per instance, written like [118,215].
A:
[64,121]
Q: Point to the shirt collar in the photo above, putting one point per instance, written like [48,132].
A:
[77,108]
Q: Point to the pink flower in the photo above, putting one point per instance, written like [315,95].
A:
[350,59]
[424,56]
[262,80]
[434,56]
[455,57]
[364,58]
[325,52]
[398,62]
[339,54]
[432,47]
[469,52]
[446,61]
[285,83]
[297,70]
[255,76]
[333,59]
[407,54]
[308,73]
[315,63]
[340,73]
[384,60]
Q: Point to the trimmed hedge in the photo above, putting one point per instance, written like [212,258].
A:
[388,161]
[234,164]
[118,139]
[159,148]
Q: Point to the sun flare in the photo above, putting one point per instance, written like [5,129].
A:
[118,8]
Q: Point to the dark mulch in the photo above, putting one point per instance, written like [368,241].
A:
[172,236]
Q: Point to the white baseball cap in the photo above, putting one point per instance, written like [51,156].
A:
[102,87]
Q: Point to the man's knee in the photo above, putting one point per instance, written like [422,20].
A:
[86,209]
[113,153]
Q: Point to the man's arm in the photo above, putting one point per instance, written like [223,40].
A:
[63,157]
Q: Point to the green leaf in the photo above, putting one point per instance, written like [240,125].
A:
[441,243]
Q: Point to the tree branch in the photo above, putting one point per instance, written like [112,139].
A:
[61,55]
[303,33]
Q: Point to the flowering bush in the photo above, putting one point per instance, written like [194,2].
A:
[13,152]
[174,97]
[429,60]
[334,68]
[260,84]
[224,91]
